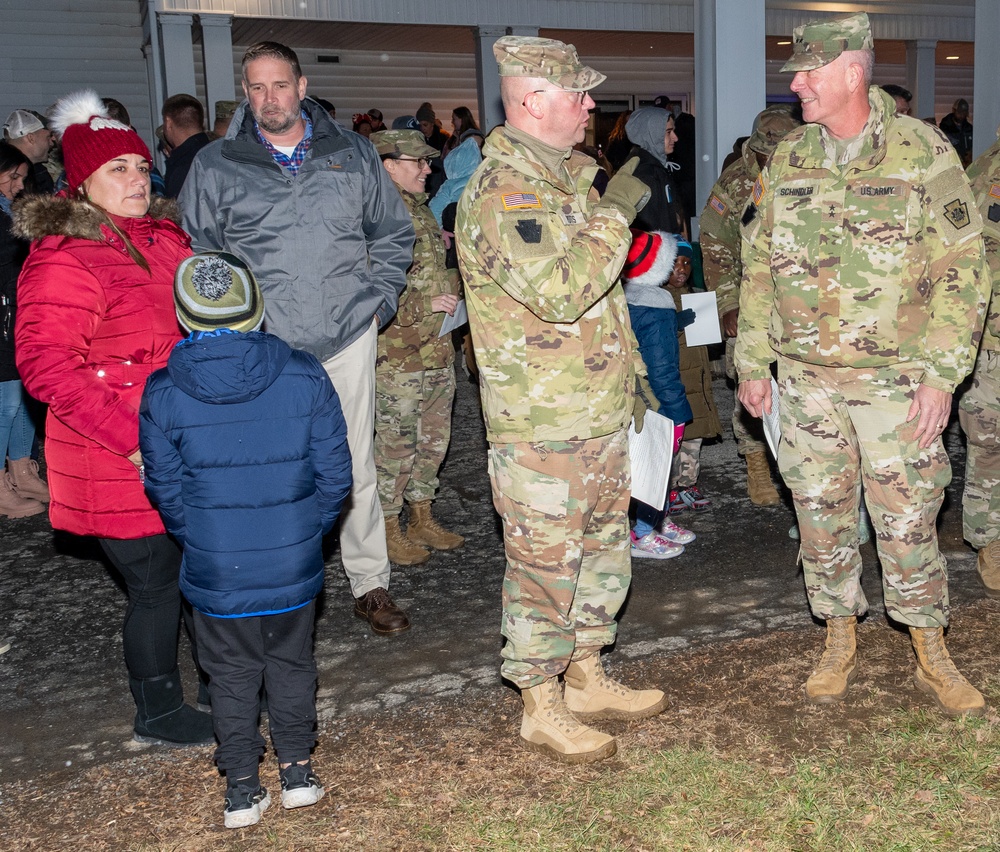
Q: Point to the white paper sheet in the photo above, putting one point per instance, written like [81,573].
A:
[649,452]
[459,318]
[705,329]
[772,421]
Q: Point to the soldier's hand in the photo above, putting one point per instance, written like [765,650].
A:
[445,304]
[730,322]
[626,194]
[638,412]
[755,396]
[933,407]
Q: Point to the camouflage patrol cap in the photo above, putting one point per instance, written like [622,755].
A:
[527,56]
[818,43]
[405,143]
[770,127]
[225,110]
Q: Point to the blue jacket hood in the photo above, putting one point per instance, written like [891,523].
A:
[226,367]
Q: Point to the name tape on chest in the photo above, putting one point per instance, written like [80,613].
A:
[520,201]
[572,218]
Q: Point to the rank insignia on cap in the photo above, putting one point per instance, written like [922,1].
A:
[995,190]
[957,212]
[758,189]
[718,205]
[993,214]
[521,201]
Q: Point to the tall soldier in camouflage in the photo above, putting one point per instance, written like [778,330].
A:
[979,408]
[540,255]
[862,270]
[721,265]
[415,367]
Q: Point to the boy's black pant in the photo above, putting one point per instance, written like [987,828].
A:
[242,654]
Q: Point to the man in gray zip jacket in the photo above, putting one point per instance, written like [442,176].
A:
[310,209]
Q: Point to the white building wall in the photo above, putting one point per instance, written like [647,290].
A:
[50,48]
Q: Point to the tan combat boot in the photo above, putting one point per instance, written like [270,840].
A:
[26,481]
[549,727]
[988,566]
[592,695]
[759,486]
[837,667]
[402,551]
[12,505]
[423,529]
[937,676]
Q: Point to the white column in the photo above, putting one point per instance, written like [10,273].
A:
[920,67]
[729,81]
[178,53]
[217,44]
[487,79]
[985,104]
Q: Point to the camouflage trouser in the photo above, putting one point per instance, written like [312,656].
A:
[412,431]
[686,466]
[747,430]
[841,427]
[979,414]
[565,514]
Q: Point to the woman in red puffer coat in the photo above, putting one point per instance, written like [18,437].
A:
[95,318]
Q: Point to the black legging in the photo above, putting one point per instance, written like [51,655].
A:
[150,567]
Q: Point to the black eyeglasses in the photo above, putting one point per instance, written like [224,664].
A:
[581,95]
[420,161]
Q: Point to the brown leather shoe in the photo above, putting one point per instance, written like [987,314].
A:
[377,608]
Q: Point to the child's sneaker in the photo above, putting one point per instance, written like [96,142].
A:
[654,546]
[678,535]
[675,505]
[245,803]
[299,786]
[694,499]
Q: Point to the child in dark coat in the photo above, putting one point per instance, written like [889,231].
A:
[245,453]
[651,310]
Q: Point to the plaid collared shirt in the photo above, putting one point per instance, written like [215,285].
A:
[293,162]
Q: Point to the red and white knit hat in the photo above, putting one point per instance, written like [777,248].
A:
[651,258]
[89,137]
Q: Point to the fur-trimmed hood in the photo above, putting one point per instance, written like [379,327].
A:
[37,216]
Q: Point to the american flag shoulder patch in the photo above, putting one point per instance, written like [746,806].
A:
[995,190]
[718,205]
[758,189]
[520,201]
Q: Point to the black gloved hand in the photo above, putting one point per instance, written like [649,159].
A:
[685,318]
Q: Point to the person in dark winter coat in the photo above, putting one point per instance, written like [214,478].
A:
[22,491]
[246,456]
[651,131]
[95,318]
[655,322]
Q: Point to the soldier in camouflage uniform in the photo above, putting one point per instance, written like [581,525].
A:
[720,253]
[414,370]
[863,270]
[979,408]
[540,255]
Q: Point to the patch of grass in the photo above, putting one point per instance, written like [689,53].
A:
[916,783]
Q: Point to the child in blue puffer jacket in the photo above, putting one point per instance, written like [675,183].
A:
[244,450]
[656,324]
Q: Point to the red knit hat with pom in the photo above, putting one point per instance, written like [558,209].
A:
[89,137]
[651,258]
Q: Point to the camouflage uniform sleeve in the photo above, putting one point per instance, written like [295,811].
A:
[753,351]
[985,176]
[720,248]
[556,274]
[957,273]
